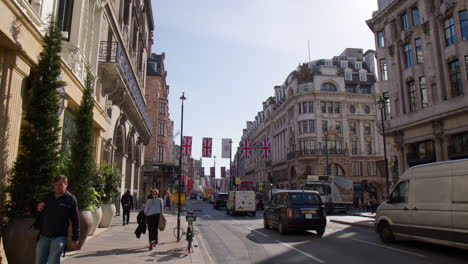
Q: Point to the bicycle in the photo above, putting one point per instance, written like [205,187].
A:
[190,218]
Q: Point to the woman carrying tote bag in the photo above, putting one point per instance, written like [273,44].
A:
[153,210]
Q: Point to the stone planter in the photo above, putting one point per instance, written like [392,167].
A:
[86,221]
[108,212]
[97,216]
[19,241]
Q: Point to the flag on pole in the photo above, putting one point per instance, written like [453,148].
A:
[202,171]
[233,171]
[265,148]
[212,172]
[246,150]
[191,172]
[223,172]
[207,146]
[226,148]
[187,146]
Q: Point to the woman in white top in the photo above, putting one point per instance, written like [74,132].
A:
[153,210]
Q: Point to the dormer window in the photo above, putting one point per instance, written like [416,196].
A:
[329,87]
[362,76]
[358,65]
[344,64]
[348,75]
[328,62]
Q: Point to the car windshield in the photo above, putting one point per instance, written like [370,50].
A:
[304,199]
[223,196]
[321,189]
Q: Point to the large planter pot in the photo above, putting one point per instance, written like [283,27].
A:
[108,212]
[97,215]
[19,241]
[86,222]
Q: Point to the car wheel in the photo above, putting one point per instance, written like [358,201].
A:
[386,234]
[265,223]
[320,231]
[282,228]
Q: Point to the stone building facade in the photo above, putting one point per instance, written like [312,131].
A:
[327,102]
[159,165]
[422,57]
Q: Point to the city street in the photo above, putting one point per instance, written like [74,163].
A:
[242,239]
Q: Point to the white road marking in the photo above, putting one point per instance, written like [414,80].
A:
[258,232]
[300,251]
[205,247]
[396,249]
[237,222]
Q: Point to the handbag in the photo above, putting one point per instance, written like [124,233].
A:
[162,222]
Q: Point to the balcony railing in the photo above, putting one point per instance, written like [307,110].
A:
[415,158]
[108,51]
[317,152]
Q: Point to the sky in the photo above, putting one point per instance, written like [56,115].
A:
[226,56]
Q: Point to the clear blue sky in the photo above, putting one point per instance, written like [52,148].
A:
[228,55]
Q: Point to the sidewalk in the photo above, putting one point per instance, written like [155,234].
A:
[118,244]
[355,220]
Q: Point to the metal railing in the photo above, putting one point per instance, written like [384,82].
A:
[317,152]
[108,51]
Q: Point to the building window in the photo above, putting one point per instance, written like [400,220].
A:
[369,148]
[415,15]
[408,58]
[464,24]
[337,108]
[383,69]
[354,147]
[459,144]
[421,152]
[306,107]
[348,75]
[371,169]
[455,78]
[358,65]
[412,96]
[352,109]
[65,10]
[367,128]
[404,21]
[336,170]
[329,87]
[423,91]
[330,107]
[338,126]
[466,65]
[311,107]
[328,62]
[362,76]
[126,14]
[323,107]
[344,64]
[380,39]
[162,108]
[311,126]
[366,109]
[160,153]
[306,145]
[161,129]
[324,125]
[306,126]
[386,99]
[352,127]
[449,28]
[356,169]
[419,51]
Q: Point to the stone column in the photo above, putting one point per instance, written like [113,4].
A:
[361,137]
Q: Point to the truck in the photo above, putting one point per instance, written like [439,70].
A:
[241,202]
[207,193]
[336,192]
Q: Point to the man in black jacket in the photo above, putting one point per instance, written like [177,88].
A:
[127,205]
[57,210]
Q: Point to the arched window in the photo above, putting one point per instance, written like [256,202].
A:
[329,87]
[335,170]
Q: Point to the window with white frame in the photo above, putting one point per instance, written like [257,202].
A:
[369,148]
[371,169]
[328,62]
[306,126]
[344,64]
[162,108]
[358,65]
[356,169]
[348,75]
[161,129]
[354,149]
[363,76]
[160,153]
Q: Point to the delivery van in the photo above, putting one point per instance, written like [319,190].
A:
[241,202]
[429,203]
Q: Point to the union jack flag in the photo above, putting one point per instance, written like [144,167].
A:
[207,145]
[187,146]
[265,148]
[246,150]
[202,172]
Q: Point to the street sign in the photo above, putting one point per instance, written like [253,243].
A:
[237,180]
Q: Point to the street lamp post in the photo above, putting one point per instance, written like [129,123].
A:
[230,164]
[215,183]
[179,177]
[381,104]
[326,153]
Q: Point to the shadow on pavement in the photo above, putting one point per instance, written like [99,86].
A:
[118,251]
[171,254]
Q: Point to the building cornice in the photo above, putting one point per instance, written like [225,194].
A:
[383,14]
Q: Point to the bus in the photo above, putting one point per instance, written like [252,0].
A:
[246,185]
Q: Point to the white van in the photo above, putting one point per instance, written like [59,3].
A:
[429,203]
[241,202]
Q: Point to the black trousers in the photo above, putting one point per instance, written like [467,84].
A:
[126,213]
[153,223]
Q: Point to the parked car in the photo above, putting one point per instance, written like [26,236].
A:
[429,203]
[221,200]
[193,195]
[241,202]
[259,201]
[213,197]
[295,210]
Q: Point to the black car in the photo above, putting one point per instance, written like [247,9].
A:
[259,201]
[220,200]
[295,210]
[193,196]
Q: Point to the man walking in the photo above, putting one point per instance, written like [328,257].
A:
[56,211]
[127,205]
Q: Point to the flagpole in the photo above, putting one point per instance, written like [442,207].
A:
[179,178]
[230,164]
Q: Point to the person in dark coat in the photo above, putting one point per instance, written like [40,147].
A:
[141,220]
[153,209]
[127,205]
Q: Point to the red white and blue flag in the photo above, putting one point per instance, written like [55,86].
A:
[202,171]
[191,172]
[223,172]
[207,146]
[265,148]
[246,150]
[187,146]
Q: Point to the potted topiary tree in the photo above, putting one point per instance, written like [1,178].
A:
[111,178]
[38,159]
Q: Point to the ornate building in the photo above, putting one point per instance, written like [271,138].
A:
[324,113]
[422,56]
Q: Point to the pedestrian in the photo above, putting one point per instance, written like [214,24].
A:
[167,200]
[373,204]
[56,211]
[127,205]
[153,209]
[141,224]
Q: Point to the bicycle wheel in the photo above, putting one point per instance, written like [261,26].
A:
[174,232]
